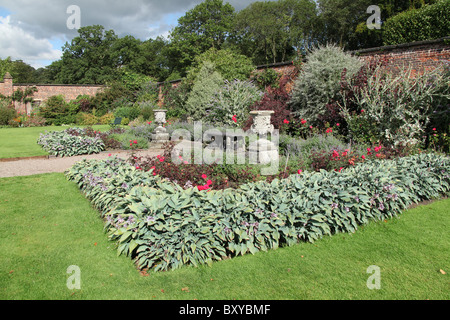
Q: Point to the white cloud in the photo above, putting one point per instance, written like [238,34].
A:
[22,45]
[31,27]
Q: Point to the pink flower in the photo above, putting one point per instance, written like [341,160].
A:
[135,142]
[338,124]
[363,157]
[329,130]
[378,155]
[303,121]
[310,127]
[109,155]
[300,171]
[434,129]
[209,183]
[204,176]
[234,118]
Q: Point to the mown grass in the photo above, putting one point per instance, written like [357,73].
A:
[47,225]
[22,142]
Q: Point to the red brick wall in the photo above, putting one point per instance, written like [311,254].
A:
[420,56]
[70,92]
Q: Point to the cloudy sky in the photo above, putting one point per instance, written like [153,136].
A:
[35,30]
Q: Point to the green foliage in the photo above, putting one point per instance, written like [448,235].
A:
[7,111]
[57,111]
[233,99]
[397,109]
[229,64]
[162,226]
[207,84]
[206,26]
[130,112]
[267,78]
[319,80]
[273,31]
[64,144]
[426,23]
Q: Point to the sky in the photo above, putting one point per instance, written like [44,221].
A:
[36,30]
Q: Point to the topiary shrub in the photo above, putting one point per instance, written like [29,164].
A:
[319,80]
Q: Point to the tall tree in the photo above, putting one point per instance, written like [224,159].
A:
[273,31]
[204,27]
[89,58]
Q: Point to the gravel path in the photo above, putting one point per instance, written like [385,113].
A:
[29,167]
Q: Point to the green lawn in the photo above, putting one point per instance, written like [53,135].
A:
[47,225]
[22,142]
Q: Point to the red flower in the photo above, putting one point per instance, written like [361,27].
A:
[209,183]
[234,118]
[300,171]
[329,130]
[286,121]
[303,121]
[204,176]
[363,157]
[135,142]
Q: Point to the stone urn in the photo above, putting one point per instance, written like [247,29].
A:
[262,122]
[160,135]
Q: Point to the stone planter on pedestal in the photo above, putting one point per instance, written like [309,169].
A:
[262,151]
[160,135]
[261,122]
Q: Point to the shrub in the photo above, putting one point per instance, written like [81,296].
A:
[129,112]
[319,79]
[163,226]
[398,108]
[207,84]
[54,110]
[233,99]
[426,23]
[87,119]
[7,112]
[107,118]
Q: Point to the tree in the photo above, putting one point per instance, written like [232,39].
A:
[228,64]
[5,66]
[89,58]
[204,27]
[273,31]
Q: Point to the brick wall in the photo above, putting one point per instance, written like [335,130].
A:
[45,91]
[420,56]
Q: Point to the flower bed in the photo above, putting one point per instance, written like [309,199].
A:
[61,143]
[164,226]
[77,141]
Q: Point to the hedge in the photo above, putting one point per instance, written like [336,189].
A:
[163,226]
[427,23]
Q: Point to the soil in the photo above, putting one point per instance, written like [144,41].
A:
[48,164]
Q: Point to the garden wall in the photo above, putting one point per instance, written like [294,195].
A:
[420,56]
[45,91]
